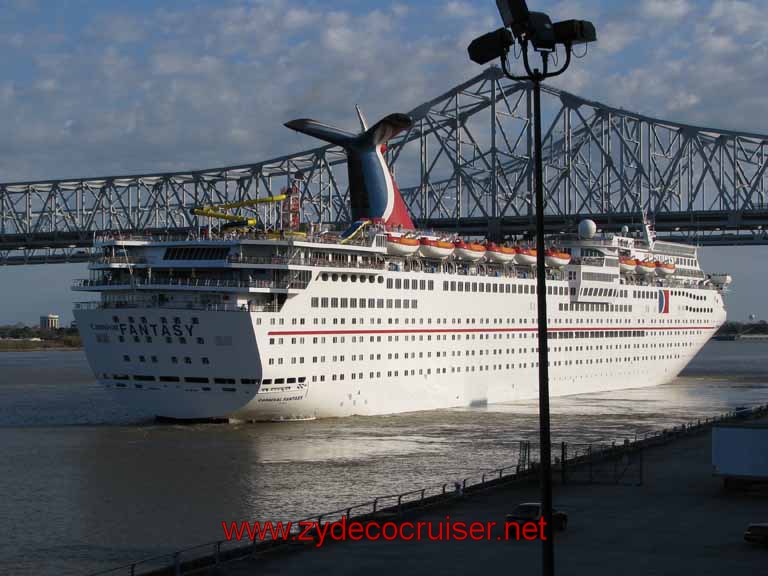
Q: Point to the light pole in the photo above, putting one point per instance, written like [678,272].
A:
[536,29]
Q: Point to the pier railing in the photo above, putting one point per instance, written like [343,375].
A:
[573,456]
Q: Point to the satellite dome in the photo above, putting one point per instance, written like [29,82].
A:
[587,229]
[624,230]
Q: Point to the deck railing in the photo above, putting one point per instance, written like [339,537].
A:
[190,283]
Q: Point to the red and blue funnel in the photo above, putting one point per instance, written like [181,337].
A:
[372,189]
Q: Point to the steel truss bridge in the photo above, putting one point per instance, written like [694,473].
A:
[465,166]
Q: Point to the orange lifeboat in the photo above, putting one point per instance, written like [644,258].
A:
[435,248]
[665,269]
[556,259]
[526,257]
[628,265]
[499,254]
[647,267]
[468,251]
[401,245]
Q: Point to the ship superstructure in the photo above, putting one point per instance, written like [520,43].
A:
[255,325]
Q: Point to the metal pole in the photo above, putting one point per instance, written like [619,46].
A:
[548,545]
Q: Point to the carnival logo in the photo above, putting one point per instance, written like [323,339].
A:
[663,301]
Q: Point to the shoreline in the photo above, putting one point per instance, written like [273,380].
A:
[39,348]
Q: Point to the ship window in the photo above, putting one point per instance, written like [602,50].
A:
[126,358]
[196,380]
[291,380]
[187,360]
[335,277]
[144,378]
[115,319]
[174,360]
[325,276]
[279,381]
[343,277]
[206,361]
[169,379]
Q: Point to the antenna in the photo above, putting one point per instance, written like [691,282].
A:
[363,120]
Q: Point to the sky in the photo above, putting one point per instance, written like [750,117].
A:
[111,87]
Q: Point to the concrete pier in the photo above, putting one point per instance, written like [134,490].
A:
[679,521]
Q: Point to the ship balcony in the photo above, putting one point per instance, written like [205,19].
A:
[192,284]
[132,303]
[284,261]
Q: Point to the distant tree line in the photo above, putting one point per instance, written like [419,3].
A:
[60,337]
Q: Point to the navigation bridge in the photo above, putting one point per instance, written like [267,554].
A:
[465,166]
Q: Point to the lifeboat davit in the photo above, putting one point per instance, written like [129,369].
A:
[665,269]
[468,251]
[433,248]
[556,259]
[646,267]
[526,257]
[628,265]
[499,254]
[401,245]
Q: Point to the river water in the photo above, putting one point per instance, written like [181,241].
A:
[87,485]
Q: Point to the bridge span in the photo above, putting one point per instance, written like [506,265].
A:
[466,165]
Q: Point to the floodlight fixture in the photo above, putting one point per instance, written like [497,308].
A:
[540,31]
[514,14]
[572,32]
[490,46]
[536,29]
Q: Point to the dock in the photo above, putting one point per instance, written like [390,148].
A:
[680,520]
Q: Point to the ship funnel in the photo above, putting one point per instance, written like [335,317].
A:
[373,191]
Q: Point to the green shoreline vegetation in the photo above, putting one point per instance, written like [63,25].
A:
[22,338]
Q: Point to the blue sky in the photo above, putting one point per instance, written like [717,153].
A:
[94,88]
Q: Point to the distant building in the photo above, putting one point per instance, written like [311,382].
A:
[50,322]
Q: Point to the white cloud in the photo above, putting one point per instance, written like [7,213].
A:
[458,9]
[666,9]
[738,16]
[299,18]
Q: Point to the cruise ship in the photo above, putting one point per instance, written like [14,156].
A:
[236,321]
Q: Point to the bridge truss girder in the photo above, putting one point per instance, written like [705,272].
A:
[465,166]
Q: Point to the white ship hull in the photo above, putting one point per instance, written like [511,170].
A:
[455,350]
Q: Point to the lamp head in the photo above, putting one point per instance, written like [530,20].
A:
[514,14]
[540,31]
[570,32]
[491,46]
